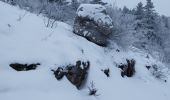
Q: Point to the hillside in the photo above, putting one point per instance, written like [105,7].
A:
[24,38]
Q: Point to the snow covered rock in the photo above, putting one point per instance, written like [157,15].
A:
[24,67]
[76,74]
[59,73]
[93,23]
[128,69]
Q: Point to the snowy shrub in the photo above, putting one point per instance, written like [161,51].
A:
[128,69]
[92,89]
[157,72]
[60,10]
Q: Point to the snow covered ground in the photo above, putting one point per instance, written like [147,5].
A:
[25,39]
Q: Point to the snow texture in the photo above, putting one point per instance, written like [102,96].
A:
[25,39]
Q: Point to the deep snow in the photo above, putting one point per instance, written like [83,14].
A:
[25,39]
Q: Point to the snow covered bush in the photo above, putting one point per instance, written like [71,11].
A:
[157,71]
[60,10]
[92,89]
[93,23]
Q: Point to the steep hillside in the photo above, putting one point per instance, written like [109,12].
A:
[24,38]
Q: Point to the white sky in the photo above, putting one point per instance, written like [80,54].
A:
[161,6]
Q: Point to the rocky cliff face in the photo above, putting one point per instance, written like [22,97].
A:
[93,23]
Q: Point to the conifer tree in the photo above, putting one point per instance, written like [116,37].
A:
[126,10]
[139,16]
[149,19]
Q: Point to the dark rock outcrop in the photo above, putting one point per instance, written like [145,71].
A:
[128,69]
[93,23]
[59,73]
[106,72]
[24,67]
[76,74]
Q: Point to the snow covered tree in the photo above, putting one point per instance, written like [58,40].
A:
[146,25]
[139,15]
[165,21]
[75,4]
[139,11]
[149,19]
[126,10]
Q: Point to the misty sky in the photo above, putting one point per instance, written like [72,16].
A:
[161,6]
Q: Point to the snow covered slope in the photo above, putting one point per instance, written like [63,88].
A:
[25,39]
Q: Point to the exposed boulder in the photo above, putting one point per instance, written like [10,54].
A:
[76,74]
[24,67]
[128,69]
[106,72]
[59,73]
[93,23]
